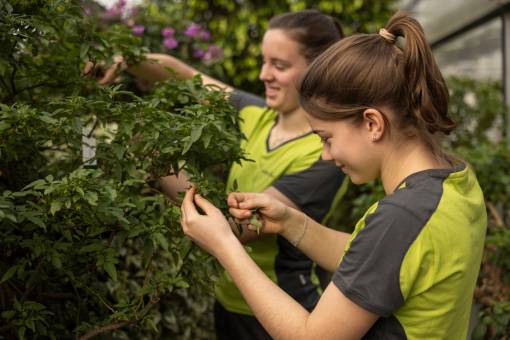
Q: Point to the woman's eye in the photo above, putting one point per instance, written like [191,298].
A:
[280,67]
[325,140]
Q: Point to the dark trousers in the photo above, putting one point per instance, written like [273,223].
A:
[234,326]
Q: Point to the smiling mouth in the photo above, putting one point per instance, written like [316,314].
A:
[271,92]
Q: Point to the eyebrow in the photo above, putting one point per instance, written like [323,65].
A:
[277,60]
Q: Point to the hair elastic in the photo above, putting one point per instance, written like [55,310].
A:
[399,41]
[296,242]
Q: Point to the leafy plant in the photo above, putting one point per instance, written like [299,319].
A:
[88,242]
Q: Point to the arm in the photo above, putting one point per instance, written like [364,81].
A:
[323,245]
[334,317]
[154,69]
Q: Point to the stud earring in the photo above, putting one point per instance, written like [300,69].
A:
[374,138]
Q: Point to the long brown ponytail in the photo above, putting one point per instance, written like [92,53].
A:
[393,69]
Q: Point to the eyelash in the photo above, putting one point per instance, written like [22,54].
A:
[277,66]
[324,140]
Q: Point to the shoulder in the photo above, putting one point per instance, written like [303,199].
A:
[253,117]
[369,272]
[241,99]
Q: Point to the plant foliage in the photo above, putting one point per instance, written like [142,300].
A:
[89,244]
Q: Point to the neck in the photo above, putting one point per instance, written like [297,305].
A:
[396,168]
[293,121]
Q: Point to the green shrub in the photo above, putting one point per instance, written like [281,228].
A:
[90,246]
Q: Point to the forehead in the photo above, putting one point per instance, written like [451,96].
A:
[322,126]
[316,123]
[277,44]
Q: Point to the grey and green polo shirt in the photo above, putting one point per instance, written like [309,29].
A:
[295,169]
[414,257]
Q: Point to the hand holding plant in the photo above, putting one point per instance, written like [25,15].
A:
[259,211]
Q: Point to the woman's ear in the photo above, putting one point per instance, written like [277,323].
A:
[374,123]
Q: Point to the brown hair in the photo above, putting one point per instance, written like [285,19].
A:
[394,69]
[313,30]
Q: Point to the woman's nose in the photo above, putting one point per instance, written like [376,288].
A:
[265,73]
[326,155]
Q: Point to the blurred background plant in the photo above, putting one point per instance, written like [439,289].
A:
[223,36]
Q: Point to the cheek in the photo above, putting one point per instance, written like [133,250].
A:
[289,80]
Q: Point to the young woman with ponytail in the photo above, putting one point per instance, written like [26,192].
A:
[409,269]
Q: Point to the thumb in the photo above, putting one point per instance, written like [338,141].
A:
[235,199]
[255,200]
[205,205]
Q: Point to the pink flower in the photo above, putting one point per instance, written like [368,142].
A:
[138,29]
[205,35]
[116,9]
[193,30]
[213,52]
[112,13]
[198,53]
[133,11]
[167,32]
[170,43]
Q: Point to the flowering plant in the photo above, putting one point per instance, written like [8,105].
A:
[162,29]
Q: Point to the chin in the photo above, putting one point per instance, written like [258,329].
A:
[358,180]
[273,104]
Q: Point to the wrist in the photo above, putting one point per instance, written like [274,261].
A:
[292,225]
[227,247]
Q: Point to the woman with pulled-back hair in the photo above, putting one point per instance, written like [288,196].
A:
[409,269]
[285,158]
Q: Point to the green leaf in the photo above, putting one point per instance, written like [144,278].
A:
[83,51]
[196,132]
[150,323]
[21,332]
[48,119]
[187,145]
[37,221]
[9,273]
[91,198]
[4,126]
[8,314]
[206,139]
[55,261]
[148,250]
[35,184]
[111,270]
[163,242]
[55,206]
[93,247]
